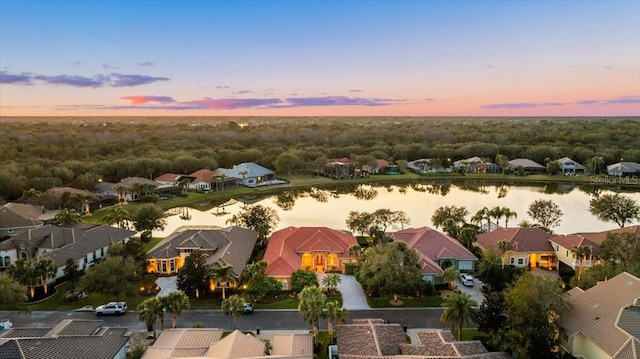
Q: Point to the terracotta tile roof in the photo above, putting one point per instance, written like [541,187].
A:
[432,246]
[81,340]
[74,242]
[525,162]
[522,240]
[596,310]
[373,339]
[169,177]
[203,175]
[16,215]
[287,245]
[233,245]
[343,160]
[599,237]
[573,240]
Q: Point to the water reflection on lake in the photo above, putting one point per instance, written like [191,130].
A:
[330,207]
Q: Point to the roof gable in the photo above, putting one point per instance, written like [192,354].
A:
[523,240]
[433,244]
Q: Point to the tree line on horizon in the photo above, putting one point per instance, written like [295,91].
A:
[41,155]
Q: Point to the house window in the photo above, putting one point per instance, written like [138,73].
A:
[172,263]
[512,260]
[7,261]
[102,252]
[284,284]
[520,261]
[465,265]
[332,260]
[566,253]
[557,248]
[158,266]
[164,266]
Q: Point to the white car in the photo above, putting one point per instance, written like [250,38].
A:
[467,280]
[112,308]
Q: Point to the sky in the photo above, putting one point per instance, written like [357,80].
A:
[319,58]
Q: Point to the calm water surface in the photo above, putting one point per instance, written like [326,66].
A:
[330,208]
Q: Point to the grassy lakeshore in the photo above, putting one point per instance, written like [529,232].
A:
[300,182]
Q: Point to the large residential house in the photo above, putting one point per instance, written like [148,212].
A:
[428,165]
[604,322]
[621,169]
[231,246]
[16,218]
[71,338]
[201,343]
[173,179]
[318,249]
[569,166]
[476,165]
[202,180]
[249,174]
[437,252]
[376,339]
[84,243]
[376,166]
[527,165]
[339,168]
[529,247]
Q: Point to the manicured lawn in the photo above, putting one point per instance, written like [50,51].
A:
[432,301]
[147,246]
[470,334]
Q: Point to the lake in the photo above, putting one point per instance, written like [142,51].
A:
[330,207]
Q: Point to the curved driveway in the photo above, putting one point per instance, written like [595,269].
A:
[353,297]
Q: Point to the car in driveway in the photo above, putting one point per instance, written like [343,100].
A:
[112,308]
[467,280]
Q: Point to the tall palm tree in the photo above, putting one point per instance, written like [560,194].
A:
[149,311]
[47,268]
[25,271]
[451,274]
[117,215]
[504,247]
[507,213]
[496,212]
[223,274]
[459,309]
[581,253]
[481,215]
[234,305]
[175,303]
[311,307]
[334,314]
[467,236]
[122,192]
[66,217]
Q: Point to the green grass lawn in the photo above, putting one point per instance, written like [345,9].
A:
[469,334]
[431,301]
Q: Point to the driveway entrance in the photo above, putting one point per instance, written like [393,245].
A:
[353,297]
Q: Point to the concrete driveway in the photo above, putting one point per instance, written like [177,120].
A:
[167,285]
[474,291]
[353,297]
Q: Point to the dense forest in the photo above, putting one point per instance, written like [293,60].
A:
[41,153]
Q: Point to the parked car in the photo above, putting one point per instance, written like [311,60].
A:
[467,280]
[248,308]
[112,308]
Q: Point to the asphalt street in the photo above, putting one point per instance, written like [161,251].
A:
[263,319]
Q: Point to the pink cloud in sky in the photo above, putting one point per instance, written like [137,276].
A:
[142,99]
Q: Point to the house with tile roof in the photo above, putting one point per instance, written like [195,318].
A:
[78,339]
[437,252]
[622,169]
[172,179]
[604,321]
[84,243]
[209,343]
[17,217]
[373,338]
[565,245]
[376,166]
[318,249]
[476,165]
[529,246]
[232,246]
[569,166]
[250,174]
[527,164]
[202,179]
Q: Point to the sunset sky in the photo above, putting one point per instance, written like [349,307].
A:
[319,58]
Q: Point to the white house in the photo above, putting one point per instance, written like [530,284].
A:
[569,166]
[250,174]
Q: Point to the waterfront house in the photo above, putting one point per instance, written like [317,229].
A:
[622,169]
[528,247]
[570,167]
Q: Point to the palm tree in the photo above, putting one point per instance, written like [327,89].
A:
[223,274]
[122,192]
[504,247]
[467,236]
[66,217]
[234,305]
[47,268]
[175,303]
[581,253]
[25,271]
[527,224]
[481,215]
[451,274]
[331,281]
[507,213]
[149,312]
[311,307]
[184,184]
[459,309]
[355,250]
[496,212]
[333,313]
[118,215]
